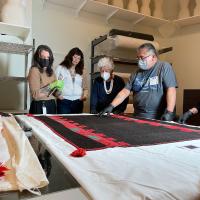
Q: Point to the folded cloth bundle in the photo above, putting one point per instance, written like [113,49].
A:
[16,153]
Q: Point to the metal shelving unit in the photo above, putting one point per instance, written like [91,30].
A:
[15,30]
[95,59]
[14,48]
[21,49]
[10,78]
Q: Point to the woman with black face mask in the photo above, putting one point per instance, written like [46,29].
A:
[42,82]
[43,88]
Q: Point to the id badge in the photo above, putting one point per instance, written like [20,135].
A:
[44,110]
[153,80]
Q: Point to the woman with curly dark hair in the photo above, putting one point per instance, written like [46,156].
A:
[43,83]
[75,91]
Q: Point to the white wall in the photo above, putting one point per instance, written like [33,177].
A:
[59,27]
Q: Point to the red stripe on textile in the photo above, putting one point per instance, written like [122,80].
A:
[152,123]
[30,115]
[90,133]
[3,170]
[56,132]
[107,141]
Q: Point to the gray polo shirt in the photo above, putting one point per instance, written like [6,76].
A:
[149,89]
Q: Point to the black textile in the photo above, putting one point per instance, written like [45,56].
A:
[69,135]
[135,133]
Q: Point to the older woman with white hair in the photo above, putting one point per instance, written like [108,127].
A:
[106,87]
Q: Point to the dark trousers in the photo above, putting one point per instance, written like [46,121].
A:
[36,106]
[69,107]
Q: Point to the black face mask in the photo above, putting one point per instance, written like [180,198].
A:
[43,62]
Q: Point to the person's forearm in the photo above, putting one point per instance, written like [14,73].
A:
[41,93]
[38,96]
[120,97]
[171,99]
[85,94]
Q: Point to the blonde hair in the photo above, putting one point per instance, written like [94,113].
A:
[106,62]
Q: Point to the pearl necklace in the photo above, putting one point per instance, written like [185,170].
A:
[111,86]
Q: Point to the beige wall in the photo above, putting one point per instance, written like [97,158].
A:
[186,60]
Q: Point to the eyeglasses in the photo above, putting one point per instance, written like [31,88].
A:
[142,58]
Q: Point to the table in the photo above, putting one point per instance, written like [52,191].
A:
[160,171]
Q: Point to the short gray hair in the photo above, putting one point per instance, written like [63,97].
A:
[106,61]
[150,48]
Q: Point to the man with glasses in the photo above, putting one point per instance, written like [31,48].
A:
[153,85]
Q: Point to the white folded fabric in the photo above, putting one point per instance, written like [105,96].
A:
[16,153]
[120,41]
